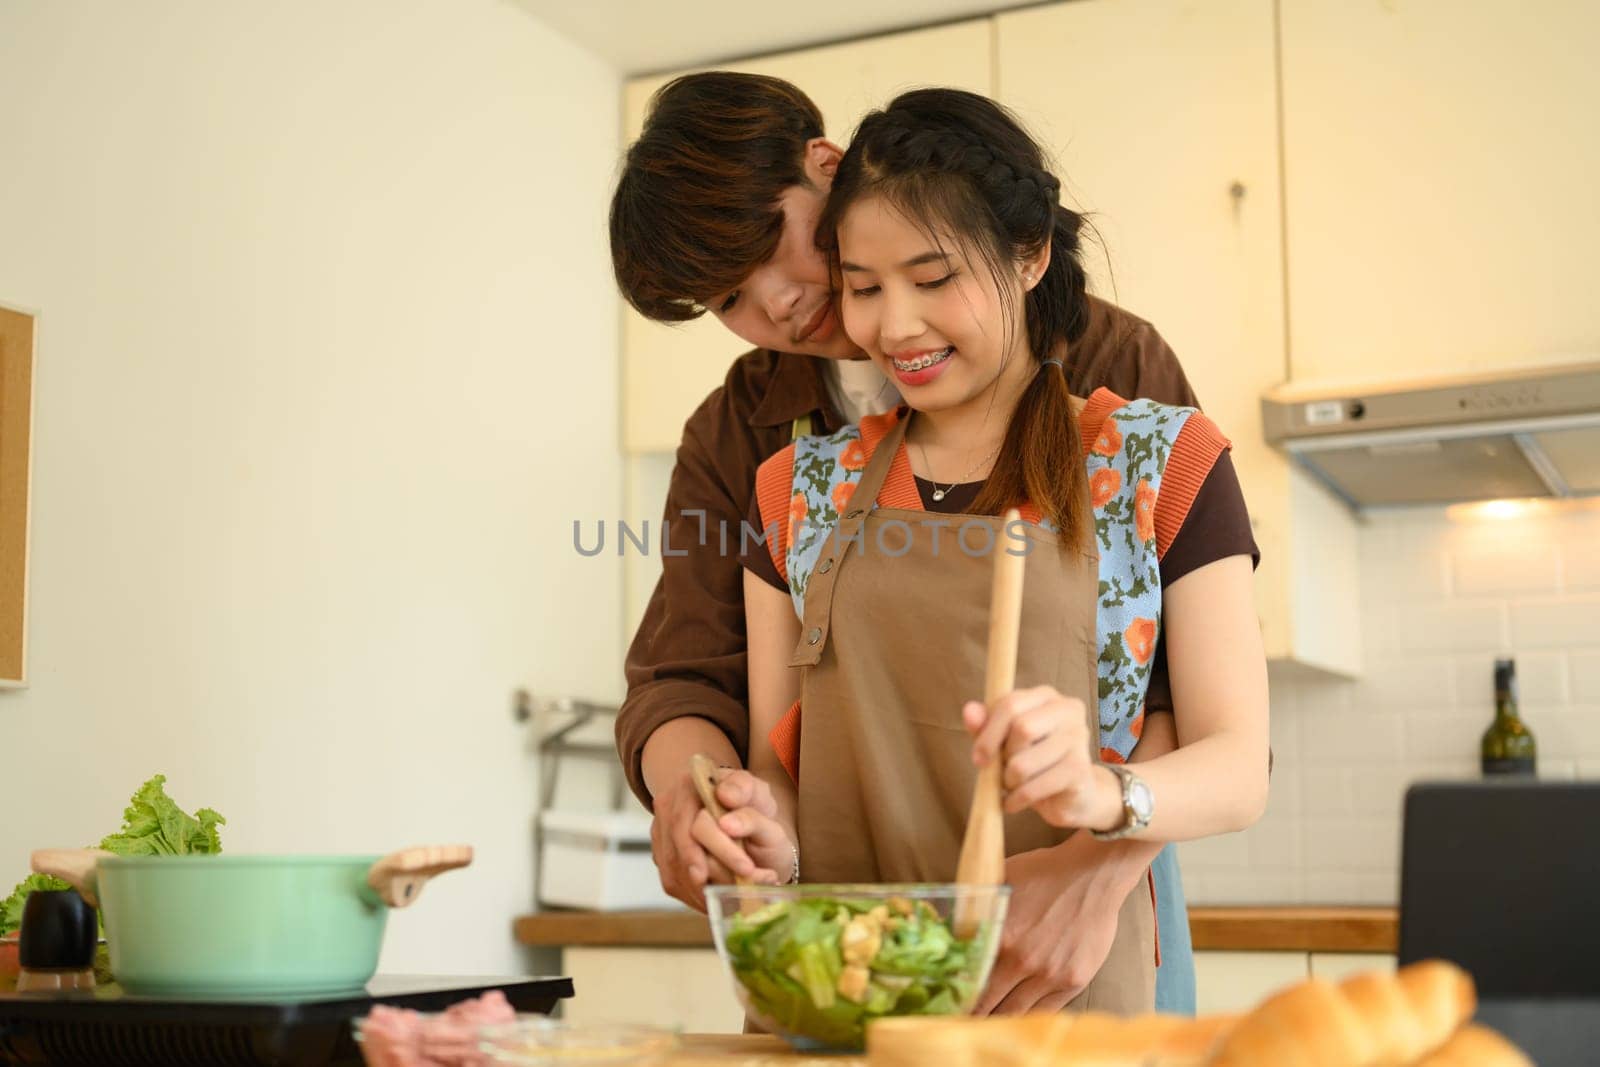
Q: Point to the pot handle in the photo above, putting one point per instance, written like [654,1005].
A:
[75,866]
[400,876]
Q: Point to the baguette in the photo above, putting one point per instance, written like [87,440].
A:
[1416,1017]
[1476,1046]
[1442,998]
[1090,1039]
[1309,1024]
[957,1041]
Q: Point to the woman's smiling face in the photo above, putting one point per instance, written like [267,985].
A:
[928,313]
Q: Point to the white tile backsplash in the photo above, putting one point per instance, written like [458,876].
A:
[1324,791]
[1400,684]
[1581,566]
[1585,666]
[1351,843]
[1274,842]
[1459,626]
[1351,887]
[1352,737]
[1445,737]
[1442,597]
[1556,622]
[1505,570]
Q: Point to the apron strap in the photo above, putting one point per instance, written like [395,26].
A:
[819,589]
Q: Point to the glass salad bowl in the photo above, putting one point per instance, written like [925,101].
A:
[816,964]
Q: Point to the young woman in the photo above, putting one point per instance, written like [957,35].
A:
[960,278]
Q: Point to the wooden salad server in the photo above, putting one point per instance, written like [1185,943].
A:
[983,849]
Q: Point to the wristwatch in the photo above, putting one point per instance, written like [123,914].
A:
[1138,805]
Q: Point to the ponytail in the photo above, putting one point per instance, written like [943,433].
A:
[1041,458]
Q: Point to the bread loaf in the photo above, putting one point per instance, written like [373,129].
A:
[956,1041]
[1309,1024]
[1442,998]
[1398,1037]
[1089,1039]
[1416,1017]
[1476,1046]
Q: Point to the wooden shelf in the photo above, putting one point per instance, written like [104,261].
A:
[1286,929]
[1293,929]
[630,929]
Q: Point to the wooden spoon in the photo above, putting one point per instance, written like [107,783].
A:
[983,849]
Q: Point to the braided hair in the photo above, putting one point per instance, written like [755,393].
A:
[950,159]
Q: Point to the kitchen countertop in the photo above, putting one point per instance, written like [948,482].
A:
[749,1050]
[1216,929]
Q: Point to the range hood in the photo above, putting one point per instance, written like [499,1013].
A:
[1526,433]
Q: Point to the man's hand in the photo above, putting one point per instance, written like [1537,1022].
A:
[1059,928]
[683,865]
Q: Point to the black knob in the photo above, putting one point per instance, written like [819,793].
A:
[59,931]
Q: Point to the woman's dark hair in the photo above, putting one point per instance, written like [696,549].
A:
[696,208]
[956,161]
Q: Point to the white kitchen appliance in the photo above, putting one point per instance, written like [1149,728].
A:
[598,860]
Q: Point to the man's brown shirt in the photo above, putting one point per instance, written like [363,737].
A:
[688,657]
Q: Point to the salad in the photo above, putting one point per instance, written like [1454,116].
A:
[824,967]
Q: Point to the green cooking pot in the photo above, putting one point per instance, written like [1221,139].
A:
[253,926]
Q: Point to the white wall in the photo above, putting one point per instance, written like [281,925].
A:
[326,367]
[1443,593]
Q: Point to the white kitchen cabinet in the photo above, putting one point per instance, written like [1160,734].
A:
[1162,117]
[681,988]
[668,369]
[1336,966]
[1442,163]
[1238,981]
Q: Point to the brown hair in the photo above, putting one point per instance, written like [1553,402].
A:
[964,161]
[696,208]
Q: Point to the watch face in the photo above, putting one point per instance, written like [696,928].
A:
[1141,800]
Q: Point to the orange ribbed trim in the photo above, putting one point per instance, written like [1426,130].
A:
[785,741]
[774,480]
[899,485]
[1101,403]
[1193,455]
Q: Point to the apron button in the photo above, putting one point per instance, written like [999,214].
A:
[825,566]
[814,635]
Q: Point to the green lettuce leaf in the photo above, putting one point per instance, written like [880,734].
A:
[153,824]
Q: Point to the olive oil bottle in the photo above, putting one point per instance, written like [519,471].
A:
[1508,747]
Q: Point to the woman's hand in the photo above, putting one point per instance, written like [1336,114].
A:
[749,840]
[1043,738]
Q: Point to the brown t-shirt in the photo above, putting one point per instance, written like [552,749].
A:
[688,656]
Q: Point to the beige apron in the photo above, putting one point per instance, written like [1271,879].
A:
[891,645]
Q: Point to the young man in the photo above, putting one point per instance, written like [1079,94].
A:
[715,212]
